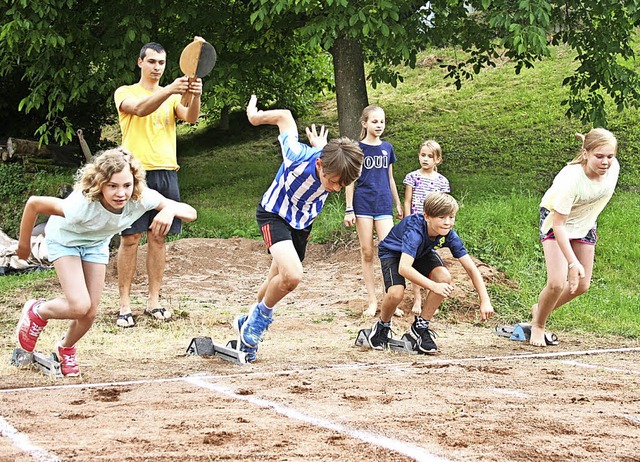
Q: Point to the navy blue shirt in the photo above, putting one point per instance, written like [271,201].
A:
[372,195]
[410,237]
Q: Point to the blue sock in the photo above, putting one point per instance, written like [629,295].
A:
[265,310]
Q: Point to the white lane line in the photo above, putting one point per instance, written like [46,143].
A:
[401,447]
[354,366]
[631,418]
[21,441]
[505,391]
[91,385]
[604,368]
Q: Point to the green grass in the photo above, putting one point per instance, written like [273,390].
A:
[504,137]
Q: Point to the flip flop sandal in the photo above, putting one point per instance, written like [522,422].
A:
[125,320]
[551,339]
[159,313]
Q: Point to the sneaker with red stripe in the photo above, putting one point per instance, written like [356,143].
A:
[68,361]
[30,326]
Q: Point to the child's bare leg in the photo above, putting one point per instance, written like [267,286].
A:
[585,254]
[540,313]
[556,265]
[273,270]
[289,273]
[364,227]
[417,300]
[82,284]
[382,229]
[433,301]
[390,302]
[553,297]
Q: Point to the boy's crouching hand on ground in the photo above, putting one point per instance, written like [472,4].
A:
[486,309]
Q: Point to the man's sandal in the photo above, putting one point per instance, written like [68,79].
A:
[159,313]
[125,320]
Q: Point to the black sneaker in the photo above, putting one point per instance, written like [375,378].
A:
[380,335]
[421,333]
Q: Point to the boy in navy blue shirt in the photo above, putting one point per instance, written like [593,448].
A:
[408,252]
[288,208]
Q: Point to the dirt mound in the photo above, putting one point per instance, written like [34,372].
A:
[237,266]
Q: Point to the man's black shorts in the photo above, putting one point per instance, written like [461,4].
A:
[166,183]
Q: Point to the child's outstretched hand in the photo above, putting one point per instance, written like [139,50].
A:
[443,289]
[24,250]
[486,311]
[317,140]
[252,111]
[162,222]
[349,219]
[575,274]
[399,211]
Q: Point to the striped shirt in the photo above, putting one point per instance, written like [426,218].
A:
[296,194]
[422,185]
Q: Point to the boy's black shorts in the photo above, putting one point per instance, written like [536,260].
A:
[275,229]
[425,265]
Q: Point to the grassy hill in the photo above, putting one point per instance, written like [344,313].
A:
[504,137]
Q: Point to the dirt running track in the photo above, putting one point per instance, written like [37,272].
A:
[313,395]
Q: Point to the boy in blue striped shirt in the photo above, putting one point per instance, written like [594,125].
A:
[287,210]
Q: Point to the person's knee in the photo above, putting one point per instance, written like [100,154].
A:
[583,286]
[155,240]
[555,287]
[394,295]
[80,307]
[367,254]
[91,315]
[441,274]
[291,279]
[130,240]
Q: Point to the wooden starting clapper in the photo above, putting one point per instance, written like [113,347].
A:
[196,61]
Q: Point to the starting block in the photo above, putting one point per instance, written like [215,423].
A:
[403,345]
[48,365]
[521,332]
[204,346]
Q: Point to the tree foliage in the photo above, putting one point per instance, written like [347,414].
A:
[61,60]
[66,57]
[393,31]
[601,34]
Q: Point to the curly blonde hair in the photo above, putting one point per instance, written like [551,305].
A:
[93,176]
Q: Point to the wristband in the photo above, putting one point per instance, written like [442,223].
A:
[348,211]
[572,264]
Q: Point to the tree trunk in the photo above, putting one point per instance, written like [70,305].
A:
[351,87]
[223,124]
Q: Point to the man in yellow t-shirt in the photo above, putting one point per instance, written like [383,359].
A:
[147,113]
